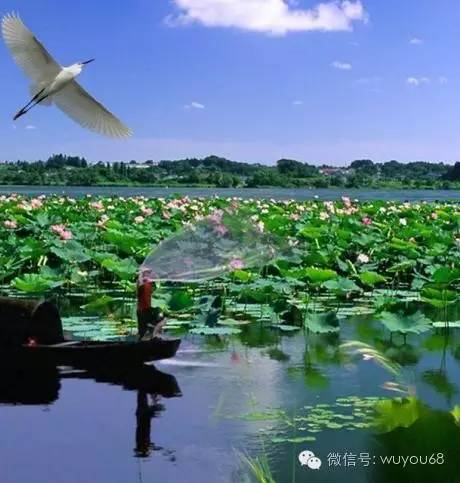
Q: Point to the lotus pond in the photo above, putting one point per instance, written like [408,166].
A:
[350,349]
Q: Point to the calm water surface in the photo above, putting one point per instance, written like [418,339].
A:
[277,193]
[247,393]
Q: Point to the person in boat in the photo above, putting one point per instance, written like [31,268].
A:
[150,320]
[37,322]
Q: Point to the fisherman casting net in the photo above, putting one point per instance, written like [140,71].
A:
[220,243]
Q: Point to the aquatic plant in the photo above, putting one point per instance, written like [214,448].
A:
[259,468]
[423,250]
[398,322]
[338,264]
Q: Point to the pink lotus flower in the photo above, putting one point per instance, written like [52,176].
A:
[216,216]
[367,221]
[62,231]
[10,224]
[220,230]
[236,264]
[295,217]
[139,219]
[66,235]
[346,201]
[146,211]
[166,215]
[36,203]
[434,216]
[97,205]
[57,229]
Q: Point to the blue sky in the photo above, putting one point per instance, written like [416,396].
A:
[372,79]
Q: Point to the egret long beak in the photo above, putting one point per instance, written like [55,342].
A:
[88,61]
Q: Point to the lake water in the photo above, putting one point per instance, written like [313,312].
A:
[277,193]
[256,393]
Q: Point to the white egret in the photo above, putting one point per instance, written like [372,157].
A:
[53,83]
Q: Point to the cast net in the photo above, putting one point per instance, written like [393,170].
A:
[220,243]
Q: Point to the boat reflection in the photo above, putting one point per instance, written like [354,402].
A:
[21,384]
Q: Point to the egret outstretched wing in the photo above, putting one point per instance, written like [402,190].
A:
[27,51]
[89,113]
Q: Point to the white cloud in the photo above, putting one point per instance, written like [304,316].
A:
[443,80]
[417,81]
[195,105]
[297,103]
[415,41]
[341,65]
[30,127]
[276,17]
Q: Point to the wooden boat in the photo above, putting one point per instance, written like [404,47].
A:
[32,330]
[88,353]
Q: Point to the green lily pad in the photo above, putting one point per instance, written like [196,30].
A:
[322,323]
[397,322]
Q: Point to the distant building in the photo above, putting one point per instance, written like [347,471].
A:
[330,171]
[148,164]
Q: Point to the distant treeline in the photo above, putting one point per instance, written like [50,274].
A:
[60,169]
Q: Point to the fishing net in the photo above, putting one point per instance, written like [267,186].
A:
[220,243]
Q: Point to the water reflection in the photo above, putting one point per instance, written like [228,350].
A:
[404,353]
[428,439]
[23,384]
[261,393]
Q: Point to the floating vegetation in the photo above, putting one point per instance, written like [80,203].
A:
[272,415]
[215,331]
[97,328]
[345,413]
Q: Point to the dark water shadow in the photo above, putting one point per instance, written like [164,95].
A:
[23,384]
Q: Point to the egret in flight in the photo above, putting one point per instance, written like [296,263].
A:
[54,83]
